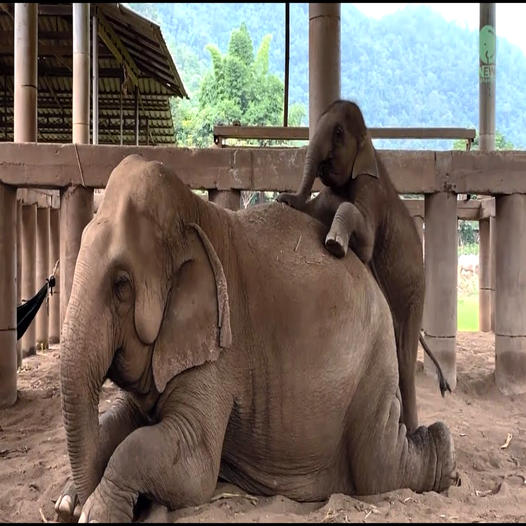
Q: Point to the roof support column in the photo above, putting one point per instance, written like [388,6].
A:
[42,273]
[18,273]
[95,87]
[54,254]
[76,202]
[440,305]
[324,59]
[487,61]
[8,265]
[25,130]
[29,289]
[510,316]
[485,292]
[137,116]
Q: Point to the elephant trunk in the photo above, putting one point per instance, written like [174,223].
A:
[84,363]
[313,157]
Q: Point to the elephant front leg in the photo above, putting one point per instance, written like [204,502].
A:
[347,221]
[174,462]
[119,421]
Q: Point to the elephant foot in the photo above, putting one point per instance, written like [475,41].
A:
[108,503]
[336,244]
[67,505]
[446,473]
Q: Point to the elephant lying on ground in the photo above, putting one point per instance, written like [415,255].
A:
[206,320]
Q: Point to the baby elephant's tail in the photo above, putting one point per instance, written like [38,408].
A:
[444,386]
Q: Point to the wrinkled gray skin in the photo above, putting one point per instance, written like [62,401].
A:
[202,317]
[363,209]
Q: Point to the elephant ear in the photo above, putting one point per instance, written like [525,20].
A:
[196,323]
[365,162]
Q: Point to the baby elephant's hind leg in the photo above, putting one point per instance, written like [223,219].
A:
[407,348]
[347,221]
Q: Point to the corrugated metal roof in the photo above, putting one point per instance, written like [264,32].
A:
[158,79]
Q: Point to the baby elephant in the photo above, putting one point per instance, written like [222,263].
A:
[362,208]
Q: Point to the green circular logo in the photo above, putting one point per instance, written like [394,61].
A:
[487,45]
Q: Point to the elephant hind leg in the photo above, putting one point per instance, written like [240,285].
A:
[382,455]
[386,458]
[406,350]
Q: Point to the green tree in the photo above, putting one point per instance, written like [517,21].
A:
[237,87]
[501,143]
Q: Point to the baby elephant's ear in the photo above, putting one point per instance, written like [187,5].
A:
[365,162]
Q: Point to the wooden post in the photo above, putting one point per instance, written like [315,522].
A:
[95,73]
[137,123]
[230,199]
[29,289]
[287,53]
[440,306]
[487,76]
[324,59]
[42,273]
[18,273]
[419,224]
[54,255]
[484,277]
[24,130]
[81,80]
[510,318]
[8,264]
[25,74]
[76,202]
[120,102]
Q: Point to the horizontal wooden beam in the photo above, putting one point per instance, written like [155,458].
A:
[302,133]
[471,210]
[42,198]
[277,169]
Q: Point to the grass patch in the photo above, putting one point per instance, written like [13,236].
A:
[468,313]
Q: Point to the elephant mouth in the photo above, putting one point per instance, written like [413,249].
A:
[325,173]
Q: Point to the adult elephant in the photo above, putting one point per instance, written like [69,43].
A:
[230,361]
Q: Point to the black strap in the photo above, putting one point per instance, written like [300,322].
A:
[26,312]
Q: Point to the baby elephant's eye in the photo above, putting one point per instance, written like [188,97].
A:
[122,286]
[338,132]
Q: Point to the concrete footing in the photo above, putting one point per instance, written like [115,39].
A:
[510,320]
[8,355]
[440,306]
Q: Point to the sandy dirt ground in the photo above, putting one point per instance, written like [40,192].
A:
[492,467]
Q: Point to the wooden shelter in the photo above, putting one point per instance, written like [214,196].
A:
[135,71]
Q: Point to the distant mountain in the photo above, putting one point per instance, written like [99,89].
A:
[410,68]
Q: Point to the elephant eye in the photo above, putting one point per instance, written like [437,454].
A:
[338,132]
[122,286]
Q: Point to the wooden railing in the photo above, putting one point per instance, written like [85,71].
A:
[297,133]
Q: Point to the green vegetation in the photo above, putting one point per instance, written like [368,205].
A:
[411,68]
[468,313]
[237,88]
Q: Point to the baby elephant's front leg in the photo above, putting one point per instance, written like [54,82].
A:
[347,221]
